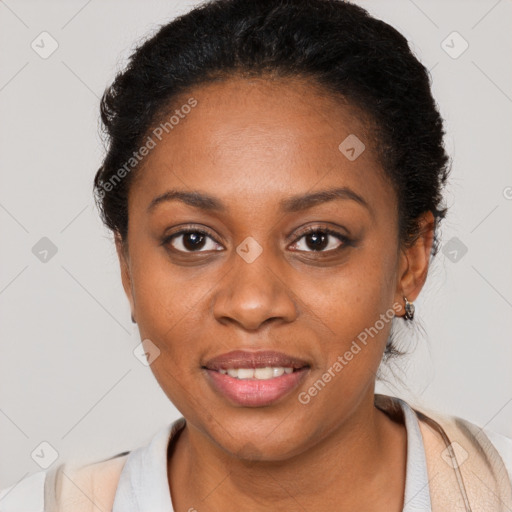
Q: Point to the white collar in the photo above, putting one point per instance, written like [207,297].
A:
[417,490]
[143,484]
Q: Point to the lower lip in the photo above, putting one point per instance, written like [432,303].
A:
[255,392]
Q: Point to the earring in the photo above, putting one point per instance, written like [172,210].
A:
[133,319]
[409,309]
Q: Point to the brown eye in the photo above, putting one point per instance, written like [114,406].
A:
[192,241]
[320,240]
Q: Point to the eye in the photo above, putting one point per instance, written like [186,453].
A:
[192,240]
[320,239]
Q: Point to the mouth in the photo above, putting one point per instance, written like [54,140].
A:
[255,379]
[264,373]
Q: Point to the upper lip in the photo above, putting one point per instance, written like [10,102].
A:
[260,359]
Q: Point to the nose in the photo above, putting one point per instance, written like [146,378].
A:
[253,294]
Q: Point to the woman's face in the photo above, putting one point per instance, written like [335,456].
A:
[249,162]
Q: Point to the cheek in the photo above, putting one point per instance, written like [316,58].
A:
[168,315]
[165,295]
[356,305]
[352,297]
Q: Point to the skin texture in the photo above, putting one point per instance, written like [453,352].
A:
[252,143]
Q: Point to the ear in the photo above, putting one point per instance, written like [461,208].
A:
[414,261]
[124,263]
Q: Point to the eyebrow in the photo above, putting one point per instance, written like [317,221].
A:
[298,203]
[292,204]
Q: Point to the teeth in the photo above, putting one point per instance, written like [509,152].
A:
[262,373]
[256,373]
[245,373]
[277,372]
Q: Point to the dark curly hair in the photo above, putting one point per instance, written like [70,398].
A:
[333,44]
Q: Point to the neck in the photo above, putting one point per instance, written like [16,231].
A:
[350,466]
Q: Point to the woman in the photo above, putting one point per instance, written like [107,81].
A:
[273,182]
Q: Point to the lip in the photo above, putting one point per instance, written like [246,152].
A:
[254,392]
[260,359]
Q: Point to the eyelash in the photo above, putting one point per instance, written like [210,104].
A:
[167,240]
[345,241]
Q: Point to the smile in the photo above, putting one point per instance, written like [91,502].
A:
[254,379]
[268,372]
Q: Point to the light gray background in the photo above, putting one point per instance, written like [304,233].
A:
[67,372]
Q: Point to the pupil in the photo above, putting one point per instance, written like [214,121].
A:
[193,241]
[318,239]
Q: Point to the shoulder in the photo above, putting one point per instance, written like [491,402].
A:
[503,445]
[37,492]
[494,448]
[26,495]
[487,439]
[490,444]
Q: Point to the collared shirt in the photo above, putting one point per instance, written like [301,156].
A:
[143,483]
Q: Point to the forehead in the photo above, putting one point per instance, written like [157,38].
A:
[260,139]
